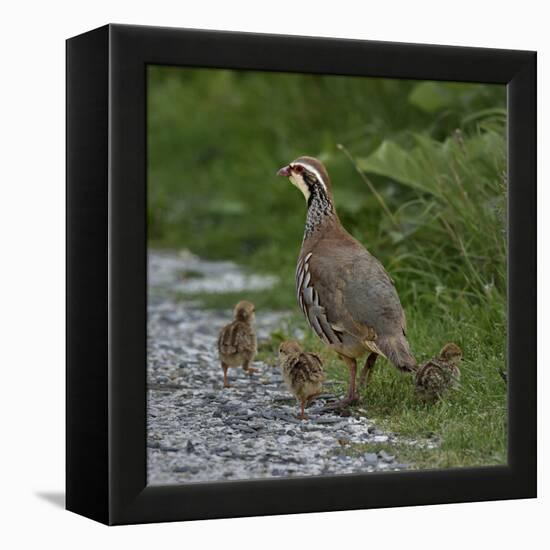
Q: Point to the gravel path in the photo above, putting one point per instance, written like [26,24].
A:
[198,431]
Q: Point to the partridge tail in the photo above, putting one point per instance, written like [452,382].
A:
[397,350]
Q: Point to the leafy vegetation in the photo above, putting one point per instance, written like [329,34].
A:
[419,173]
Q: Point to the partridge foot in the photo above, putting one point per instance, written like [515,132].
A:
[251,370]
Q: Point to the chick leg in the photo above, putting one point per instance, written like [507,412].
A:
[248,369]
[366,373]
[302,411]
[312,397]
[225,380]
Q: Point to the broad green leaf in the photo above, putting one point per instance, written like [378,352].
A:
[431,96]
[430,165]
[394,162]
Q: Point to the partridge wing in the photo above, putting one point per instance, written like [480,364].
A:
[315,367]
[244,338]
[237,337]
[370,297]
[226,343]
[354,289]
[430,377]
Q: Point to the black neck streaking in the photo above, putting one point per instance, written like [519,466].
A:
[320,209]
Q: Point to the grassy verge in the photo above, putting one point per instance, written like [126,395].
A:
[469,424]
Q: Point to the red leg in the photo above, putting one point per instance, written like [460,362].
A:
[312,397]
[352,365]
[352,396]
[248,369]
[366,373]
[225,381]
[302,411]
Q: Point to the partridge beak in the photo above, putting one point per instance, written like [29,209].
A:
[284,171]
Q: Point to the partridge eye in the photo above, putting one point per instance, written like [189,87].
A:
[299,169]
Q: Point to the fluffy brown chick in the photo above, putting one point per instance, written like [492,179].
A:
[302,372]
[237,341]
[440,374]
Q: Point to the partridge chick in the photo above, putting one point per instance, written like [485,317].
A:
[237,341]
[302,373]
[440,374]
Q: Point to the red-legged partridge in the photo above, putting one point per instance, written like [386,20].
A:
[440,374]
[302,373]
[237,341]
[344,292]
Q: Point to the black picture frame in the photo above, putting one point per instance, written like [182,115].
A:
[106,273]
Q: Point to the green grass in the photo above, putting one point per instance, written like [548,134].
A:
[469,423]
[418,171]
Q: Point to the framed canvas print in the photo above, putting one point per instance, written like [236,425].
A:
[300,274]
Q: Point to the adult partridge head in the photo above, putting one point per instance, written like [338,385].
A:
[309,176]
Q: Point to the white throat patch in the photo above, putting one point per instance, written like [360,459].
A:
[298,179]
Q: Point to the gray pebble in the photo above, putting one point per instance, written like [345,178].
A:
[168,448]
[371,458]
[327,420]
[386,457]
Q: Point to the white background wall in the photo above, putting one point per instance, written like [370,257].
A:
[32,129]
